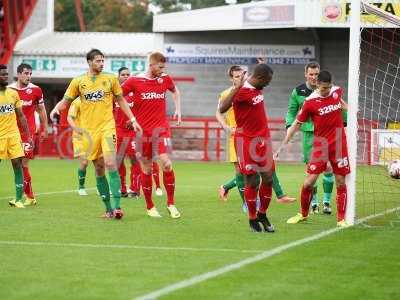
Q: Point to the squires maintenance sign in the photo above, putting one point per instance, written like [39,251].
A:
[238,54]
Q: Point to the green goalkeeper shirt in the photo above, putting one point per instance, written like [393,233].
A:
[296,101]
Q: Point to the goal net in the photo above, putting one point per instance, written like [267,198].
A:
[378,116]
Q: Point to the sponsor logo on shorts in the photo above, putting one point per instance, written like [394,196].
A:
[94,96]
[26,102]
[6,109]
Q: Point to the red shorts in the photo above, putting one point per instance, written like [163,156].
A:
[254,154]
[335,154]
[150,146]
[126,143]
[28,149]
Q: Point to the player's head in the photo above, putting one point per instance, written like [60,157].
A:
[95,59]
[262,76]
[3,76]
[311,71]
[123,74]
[234,72]
[324,83]
[157,62]
[24,74]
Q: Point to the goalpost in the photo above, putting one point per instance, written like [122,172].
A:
[373,132]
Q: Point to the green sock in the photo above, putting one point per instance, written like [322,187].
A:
[327,182]
[104,191]
[19,183]
[115,186]
[276,185]
[240,185]
[81,178]
[230,184]
[314,200]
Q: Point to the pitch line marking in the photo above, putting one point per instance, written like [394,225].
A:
[49,193]
[251,260]
[78,245]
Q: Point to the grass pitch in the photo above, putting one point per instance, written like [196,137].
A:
[61,249]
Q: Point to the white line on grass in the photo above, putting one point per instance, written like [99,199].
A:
[232,267]
[77,245]
[49,193]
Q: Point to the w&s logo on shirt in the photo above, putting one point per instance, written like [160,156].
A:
[94,96]
[6,109]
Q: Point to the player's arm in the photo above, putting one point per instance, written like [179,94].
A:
[345,106]
[22,120]
[289,135]
[221,119]
[293,109]
[226,103]
[176,97]
[70,95]
[127,111]
[41,109]
[63,104]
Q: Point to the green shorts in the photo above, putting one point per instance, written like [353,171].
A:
[308,138]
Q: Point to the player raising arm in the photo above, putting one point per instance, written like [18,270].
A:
[324,106]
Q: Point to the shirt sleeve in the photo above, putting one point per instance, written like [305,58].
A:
[72,90]
[116,87]
[170,84]
[293,109]
[18,101]
[241,96]
[40,99]
[304,112]
[128,86]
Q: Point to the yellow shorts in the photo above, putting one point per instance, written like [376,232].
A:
[231,154]
[11,148]
[77,146]
[98,143]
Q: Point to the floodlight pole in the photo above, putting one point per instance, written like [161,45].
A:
[353,93]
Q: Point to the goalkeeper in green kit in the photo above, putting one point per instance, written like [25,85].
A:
[299,94]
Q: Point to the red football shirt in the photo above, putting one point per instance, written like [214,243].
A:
[120,118]
[326,114]
[31,97]
[248,106]
[149,96]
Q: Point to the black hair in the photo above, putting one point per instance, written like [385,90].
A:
[92,53]
[122,69]
[2,67]
[262,70]
[325,76]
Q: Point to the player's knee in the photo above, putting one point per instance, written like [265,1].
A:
[340,181]
[16,163]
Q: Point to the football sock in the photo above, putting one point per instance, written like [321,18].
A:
[115,187]
[341,201]
[250,194]
[19,183]
[240,185]
[265,194]
[147,187]
[306,194]
[122,176]
[155,169]
[81,178]
[27,182]
[314,200]
[136,170]
[104,191]
[169,183]
[327,182]
[230,184]
[276,185]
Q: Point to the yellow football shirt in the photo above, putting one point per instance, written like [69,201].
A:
[9,100]
[230,114]
[97,95]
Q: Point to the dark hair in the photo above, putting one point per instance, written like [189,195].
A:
[325,76]
[234,68]
[263,70]
[122,69]
[312,65]
[23,66]
[3,67]
[92,53]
